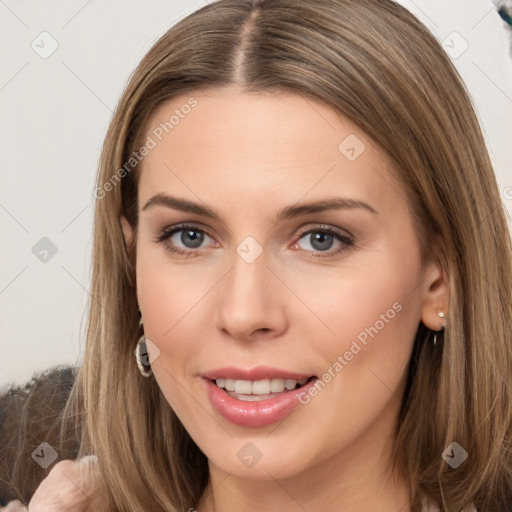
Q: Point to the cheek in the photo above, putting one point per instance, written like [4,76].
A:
[170,295]
[376,330]
[167,302]
[373,315]
[366,298]
[369,311]
[160,298]
[172,299]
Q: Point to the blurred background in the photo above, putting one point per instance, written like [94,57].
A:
[63,67]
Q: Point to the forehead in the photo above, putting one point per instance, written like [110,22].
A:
[256,146]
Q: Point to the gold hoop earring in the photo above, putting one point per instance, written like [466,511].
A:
[141,355]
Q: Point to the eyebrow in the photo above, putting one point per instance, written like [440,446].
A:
[330,203]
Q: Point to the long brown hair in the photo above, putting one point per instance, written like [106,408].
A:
[376,64]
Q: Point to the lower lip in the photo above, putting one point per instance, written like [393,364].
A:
[255,414]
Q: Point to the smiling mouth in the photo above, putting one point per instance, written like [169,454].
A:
[255,391]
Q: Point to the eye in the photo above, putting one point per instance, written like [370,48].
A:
[183,239]
[322,239]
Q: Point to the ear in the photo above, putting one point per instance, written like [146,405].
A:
[127,231]
[436,296]
[128,236]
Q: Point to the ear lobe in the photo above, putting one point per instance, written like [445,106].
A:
[127,231]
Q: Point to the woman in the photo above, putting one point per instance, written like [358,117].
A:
[299,233]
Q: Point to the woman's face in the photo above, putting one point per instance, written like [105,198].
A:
[266,289]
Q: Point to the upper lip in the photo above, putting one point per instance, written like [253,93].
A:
[254,374]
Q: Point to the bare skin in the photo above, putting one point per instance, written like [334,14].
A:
[298,306]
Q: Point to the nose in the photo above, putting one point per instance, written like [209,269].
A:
[251,301]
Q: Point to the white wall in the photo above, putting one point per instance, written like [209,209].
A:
[54,114]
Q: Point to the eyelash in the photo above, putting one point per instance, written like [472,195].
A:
[168,232]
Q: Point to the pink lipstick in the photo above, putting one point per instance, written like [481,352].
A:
[256,397]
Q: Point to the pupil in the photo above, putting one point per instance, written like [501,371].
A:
[194,236]
[323,241]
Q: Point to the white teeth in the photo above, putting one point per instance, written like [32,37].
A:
[243,387]
[229,384]
[277,385]
[261,387]
[258,387]
[290,384]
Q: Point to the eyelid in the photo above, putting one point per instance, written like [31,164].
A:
[168,231]
[319,226]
